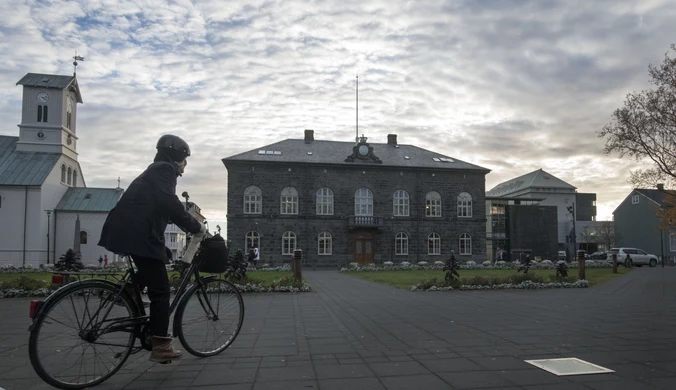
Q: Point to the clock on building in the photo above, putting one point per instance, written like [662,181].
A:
[363,150]
[43,97]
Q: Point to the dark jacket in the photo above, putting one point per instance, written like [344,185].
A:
[136,225]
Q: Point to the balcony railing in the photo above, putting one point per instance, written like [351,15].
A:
[365,221]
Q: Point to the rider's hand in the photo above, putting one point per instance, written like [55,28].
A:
[203,229]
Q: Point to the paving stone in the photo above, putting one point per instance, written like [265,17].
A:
[427,382]
[285,374]
[343,371]
[286,385]
[351,384]
[398,368]
[475,379]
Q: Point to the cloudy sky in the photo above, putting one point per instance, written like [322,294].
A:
[509,85]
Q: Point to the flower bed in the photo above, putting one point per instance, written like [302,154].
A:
[27,287]
[439,265]
[525,285]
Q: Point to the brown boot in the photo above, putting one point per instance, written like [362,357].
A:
[163,351]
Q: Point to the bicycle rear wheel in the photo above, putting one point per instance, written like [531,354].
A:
[73,343]
[209,317]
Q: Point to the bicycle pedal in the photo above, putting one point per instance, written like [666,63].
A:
[165,362]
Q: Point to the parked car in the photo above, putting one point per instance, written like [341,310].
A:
[599,256]
[562,255]
[635,256]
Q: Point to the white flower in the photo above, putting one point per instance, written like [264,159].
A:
[439,263]
[423,263]
[405,264]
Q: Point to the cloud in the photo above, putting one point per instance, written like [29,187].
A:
[510,85]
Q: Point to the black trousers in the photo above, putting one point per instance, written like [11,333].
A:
[152,273]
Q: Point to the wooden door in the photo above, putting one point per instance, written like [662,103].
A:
[363,248]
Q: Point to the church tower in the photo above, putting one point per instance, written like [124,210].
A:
[48,114]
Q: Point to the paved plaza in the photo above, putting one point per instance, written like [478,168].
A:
[353,334]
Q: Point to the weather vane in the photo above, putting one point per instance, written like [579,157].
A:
[76,58]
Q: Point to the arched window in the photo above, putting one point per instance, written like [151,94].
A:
[433,244]
[363,202]
[252,240]
[83,237]
[433,204]
[63,173]
[400,204]
[288,202]
[40,113]
[465,244]
[324,201]
[324,244]
[70,175]
[288,243]
[464,205]
[401,244]
[74,178]
[253,200]
[44,114]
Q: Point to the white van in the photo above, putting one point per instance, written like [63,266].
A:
[632,256]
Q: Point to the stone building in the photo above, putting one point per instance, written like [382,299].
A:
[343,202]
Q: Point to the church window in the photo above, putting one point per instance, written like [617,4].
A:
[40,113]
[74,178]
[68,116]
[63,173]
[70,176]
[44,114]
[83,237]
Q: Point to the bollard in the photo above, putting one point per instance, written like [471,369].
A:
[297,268]
[614,263]
[580,264]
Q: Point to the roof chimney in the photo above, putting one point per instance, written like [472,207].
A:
[309,136]
[660,186]
[391,139]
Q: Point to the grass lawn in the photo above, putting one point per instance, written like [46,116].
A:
[407,279]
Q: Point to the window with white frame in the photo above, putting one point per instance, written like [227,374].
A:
[433,204]
[433,244]
[324,201]
[252,240]
[465,244]
[400,204]
[324,243]
[70,175]
[634,199]
[464,205]
[253,200]
[63,173]
[288,202]
[363,202]
[672,242]
[288,243]
[401,244]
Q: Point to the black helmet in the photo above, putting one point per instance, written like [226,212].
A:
[173,146]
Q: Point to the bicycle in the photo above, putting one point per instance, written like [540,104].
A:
[103,320]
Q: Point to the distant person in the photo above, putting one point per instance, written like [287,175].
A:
[105,261]
[257,256]
[100,261]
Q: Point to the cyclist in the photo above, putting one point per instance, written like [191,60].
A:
[136,225]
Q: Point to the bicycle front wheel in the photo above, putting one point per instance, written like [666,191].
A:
[76,341]
[209,317]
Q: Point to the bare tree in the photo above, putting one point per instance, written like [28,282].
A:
[605,234]
[587,235]
[645,128]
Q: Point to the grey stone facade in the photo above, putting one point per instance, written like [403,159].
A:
[344,179]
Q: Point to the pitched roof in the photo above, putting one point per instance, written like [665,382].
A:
[335,153]
[23,168]
[89,199]
[50,81]
[539,178]
[656,196]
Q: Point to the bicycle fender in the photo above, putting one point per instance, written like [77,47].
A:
[174,323]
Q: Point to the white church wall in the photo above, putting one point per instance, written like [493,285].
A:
[19,204]
[92,223]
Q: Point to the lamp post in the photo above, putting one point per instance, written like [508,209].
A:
[571,210]
[49,214]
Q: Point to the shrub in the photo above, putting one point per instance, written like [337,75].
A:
[486,263]
[388,264]
[439,263]
[471,263]
[405,264]
[24,283]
